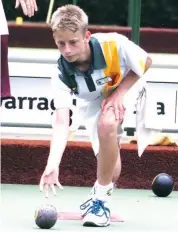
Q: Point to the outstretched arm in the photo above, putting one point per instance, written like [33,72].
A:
[59,138]
[62,102]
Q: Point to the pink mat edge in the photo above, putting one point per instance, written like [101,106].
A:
[77,216]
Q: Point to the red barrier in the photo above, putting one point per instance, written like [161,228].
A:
[39,35]
[23,161]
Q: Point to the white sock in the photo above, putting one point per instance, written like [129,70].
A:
[102,192]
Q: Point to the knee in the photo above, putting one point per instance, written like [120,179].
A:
[107,125]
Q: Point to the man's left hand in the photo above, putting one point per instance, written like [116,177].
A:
[116,102]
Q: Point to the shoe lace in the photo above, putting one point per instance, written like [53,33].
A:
[85,204]
[96,208]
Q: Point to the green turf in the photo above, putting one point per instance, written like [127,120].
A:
[141,210]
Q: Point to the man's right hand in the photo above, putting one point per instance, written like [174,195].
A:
[49,178]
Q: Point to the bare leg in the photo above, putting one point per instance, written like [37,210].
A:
[117,170]
[109,149]
[108,170]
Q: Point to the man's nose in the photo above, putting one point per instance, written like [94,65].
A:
[67,49]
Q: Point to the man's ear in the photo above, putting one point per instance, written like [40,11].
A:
[87,36]
[54,39]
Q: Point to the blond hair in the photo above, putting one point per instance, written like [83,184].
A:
[69,17]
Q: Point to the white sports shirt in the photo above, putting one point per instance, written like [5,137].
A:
[113,56]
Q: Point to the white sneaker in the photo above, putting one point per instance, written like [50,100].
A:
[88,203]
[96,213]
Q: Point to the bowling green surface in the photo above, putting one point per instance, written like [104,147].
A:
[140,209]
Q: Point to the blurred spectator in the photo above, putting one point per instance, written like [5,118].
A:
[29,7]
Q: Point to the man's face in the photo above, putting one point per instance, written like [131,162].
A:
[71,44]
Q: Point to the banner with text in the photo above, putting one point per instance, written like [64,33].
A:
[32,103]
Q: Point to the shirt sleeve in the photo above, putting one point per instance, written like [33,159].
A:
[135,57]
[61,93]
